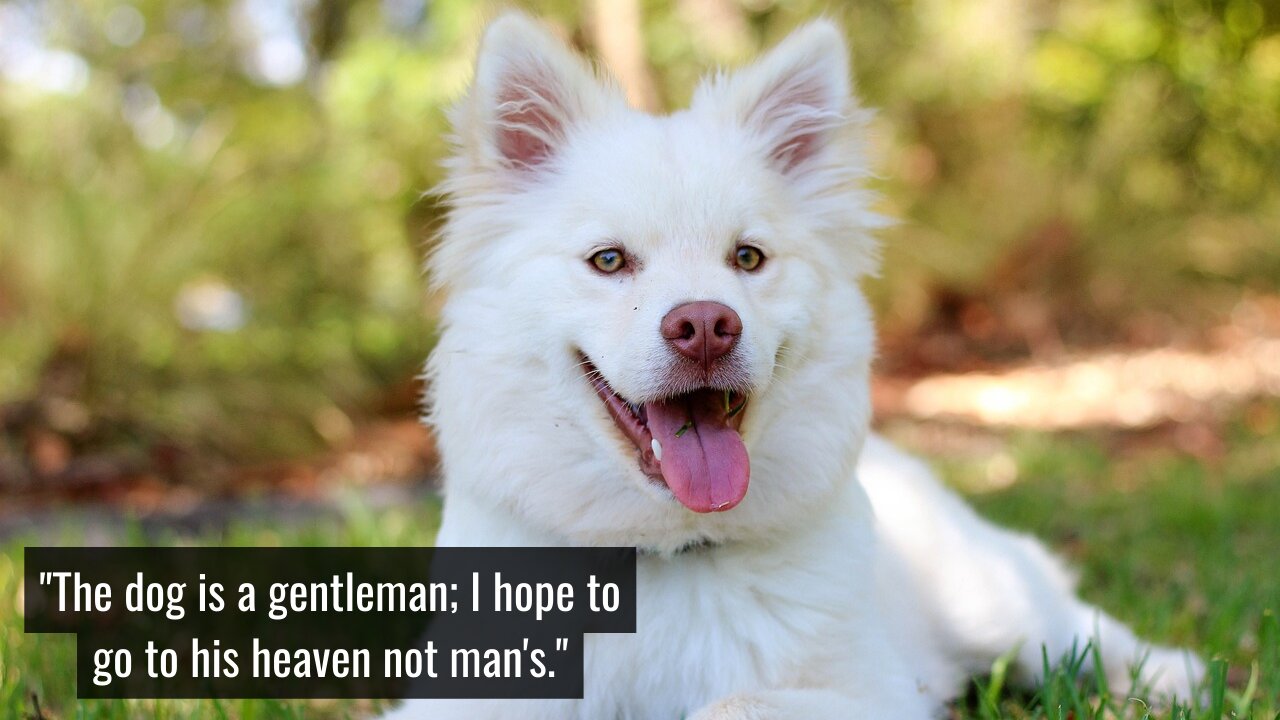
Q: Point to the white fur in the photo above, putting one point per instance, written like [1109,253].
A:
[818,596]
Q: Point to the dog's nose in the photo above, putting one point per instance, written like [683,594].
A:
[704,331]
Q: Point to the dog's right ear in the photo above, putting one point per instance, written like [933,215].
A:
[796,99]
[528,95]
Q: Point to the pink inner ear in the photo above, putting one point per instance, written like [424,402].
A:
[797,115]
[530,120]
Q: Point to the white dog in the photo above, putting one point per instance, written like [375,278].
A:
[654,336]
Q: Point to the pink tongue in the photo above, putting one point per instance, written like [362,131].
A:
[706,467]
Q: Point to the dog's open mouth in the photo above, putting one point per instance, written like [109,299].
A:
[688,441]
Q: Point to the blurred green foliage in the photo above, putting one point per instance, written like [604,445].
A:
[212,214]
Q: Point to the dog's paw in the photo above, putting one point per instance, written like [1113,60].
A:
[738,707]
[1166,674]
[813,704]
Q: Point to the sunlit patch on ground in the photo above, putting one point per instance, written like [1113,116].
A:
[1127,389]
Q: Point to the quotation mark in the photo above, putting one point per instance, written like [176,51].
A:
[562,644]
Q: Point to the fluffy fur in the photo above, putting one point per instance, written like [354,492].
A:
[848,582]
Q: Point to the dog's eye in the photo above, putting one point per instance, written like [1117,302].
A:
[748,258]
[609,260]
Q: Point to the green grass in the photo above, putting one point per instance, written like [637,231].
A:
[43,666]
[1187,551]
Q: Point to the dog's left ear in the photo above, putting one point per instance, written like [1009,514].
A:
[795,99]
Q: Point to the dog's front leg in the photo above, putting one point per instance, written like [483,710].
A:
[810,704]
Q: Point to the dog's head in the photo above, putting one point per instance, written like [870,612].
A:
[654,334]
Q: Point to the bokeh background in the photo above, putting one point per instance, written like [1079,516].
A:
[213,216]
[214,212]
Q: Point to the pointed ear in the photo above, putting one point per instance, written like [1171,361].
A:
[795,99]
[528,94]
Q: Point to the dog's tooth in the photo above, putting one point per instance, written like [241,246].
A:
[657,449]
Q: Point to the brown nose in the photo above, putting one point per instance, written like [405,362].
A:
[703,331]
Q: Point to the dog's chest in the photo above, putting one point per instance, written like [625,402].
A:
[711,626]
